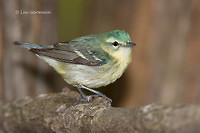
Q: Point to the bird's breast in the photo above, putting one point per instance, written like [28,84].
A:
[94,76]
[89,76]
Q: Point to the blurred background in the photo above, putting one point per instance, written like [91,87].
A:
[166,61]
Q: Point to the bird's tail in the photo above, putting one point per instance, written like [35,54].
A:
[29,46]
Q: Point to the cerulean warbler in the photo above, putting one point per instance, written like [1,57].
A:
[90,61]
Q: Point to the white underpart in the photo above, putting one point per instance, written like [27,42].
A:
[92,76]
[53,63]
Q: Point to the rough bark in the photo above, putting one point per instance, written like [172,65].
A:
[66,112]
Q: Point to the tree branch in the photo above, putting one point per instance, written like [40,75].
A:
[66,112]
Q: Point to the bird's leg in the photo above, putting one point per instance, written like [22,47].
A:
[97,92]
[82,94]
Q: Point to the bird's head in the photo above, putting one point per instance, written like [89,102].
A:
[118,44]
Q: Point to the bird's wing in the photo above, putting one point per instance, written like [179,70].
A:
[71,52]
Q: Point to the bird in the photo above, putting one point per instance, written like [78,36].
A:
[88,62]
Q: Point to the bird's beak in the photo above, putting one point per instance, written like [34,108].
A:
[129,44]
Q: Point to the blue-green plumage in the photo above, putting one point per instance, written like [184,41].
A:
[89,61]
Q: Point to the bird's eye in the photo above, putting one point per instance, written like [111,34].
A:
[115,43]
